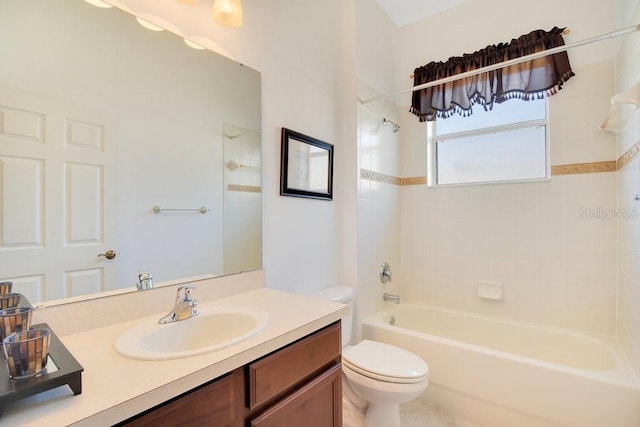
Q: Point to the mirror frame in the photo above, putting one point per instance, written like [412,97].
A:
[287,169]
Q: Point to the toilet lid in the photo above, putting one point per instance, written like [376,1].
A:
[385,362]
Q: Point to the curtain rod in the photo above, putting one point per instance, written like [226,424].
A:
[509,62]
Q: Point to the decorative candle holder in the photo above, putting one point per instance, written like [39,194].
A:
[13,320]
[9,300]
[5,287]
[27,352]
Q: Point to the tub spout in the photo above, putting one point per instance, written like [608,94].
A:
[391,297]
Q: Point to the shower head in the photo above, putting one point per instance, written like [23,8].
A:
[396,127]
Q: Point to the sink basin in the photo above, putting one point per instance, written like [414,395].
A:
[213,329]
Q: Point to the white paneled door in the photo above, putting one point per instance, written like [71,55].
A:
[57,197]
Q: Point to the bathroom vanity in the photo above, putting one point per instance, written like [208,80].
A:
[287,372]
[297,385]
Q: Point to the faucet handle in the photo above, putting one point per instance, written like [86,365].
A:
[145,281]
[184,293]
[385,273]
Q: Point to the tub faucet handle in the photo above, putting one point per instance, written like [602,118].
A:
[385,273]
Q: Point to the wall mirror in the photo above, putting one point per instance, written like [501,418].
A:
[306,166]
[101,120]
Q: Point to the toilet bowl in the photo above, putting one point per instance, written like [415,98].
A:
[377,377]
[385,376]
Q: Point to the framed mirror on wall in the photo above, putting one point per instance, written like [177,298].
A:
[306,166]
[101,121]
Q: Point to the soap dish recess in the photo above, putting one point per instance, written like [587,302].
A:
[490,290]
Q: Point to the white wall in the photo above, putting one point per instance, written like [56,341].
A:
[305,51]
[378,51]
[379,152]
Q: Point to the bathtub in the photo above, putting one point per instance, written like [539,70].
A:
[513,374]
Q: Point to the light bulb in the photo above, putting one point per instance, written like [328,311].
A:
[193,44]
[148,25]
[227,13]
[99,3]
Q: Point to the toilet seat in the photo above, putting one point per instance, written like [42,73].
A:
[384,362]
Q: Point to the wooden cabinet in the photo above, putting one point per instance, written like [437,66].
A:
[298,385]
[316,404]
[281,371]
[218,403]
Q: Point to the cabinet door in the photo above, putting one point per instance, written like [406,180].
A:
[219,403]
[279,373]
[317,404]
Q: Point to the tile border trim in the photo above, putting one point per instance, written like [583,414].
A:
[568,169]
[580,168]
[628,156]
[414,180]
[380,177]
[244,188]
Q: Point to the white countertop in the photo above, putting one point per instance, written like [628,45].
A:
[115,387]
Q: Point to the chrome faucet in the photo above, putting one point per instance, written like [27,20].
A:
[184,308]
[145,281]
[385,273]
[391,297]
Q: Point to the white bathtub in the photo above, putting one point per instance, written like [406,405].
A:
[512,374]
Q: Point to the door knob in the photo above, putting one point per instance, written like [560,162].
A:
[108,255]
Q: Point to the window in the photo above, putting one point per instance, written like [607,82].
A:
[507,143]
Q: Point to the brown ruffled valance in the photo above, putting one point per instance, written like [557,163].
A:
[527,80]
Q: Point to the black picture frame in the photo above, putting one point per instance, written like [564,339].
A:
[306,167]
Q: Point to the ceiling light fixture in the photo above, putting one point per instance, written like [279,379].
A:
[227,13]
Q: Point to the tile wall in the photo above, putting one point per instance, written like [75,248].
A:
[378,203]
[565,250]
[242,200]
[627,74]
[556,268]
[551,244]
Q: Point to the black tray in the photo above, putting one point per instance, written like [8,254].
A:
[65,371]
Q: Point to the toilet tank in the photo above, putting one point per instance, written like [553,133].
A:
[345,295]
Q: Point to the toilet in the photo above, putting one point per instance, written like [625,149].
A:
[376,377]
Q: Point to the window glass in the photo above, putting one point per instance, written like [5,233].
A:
[508,143]
[511,111]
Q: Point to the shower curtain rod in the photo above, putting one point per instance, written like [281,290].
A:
[509,62]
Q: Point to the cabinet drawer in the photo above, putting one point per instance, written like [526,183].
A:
[316,404]
[219,403]
[293,365]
